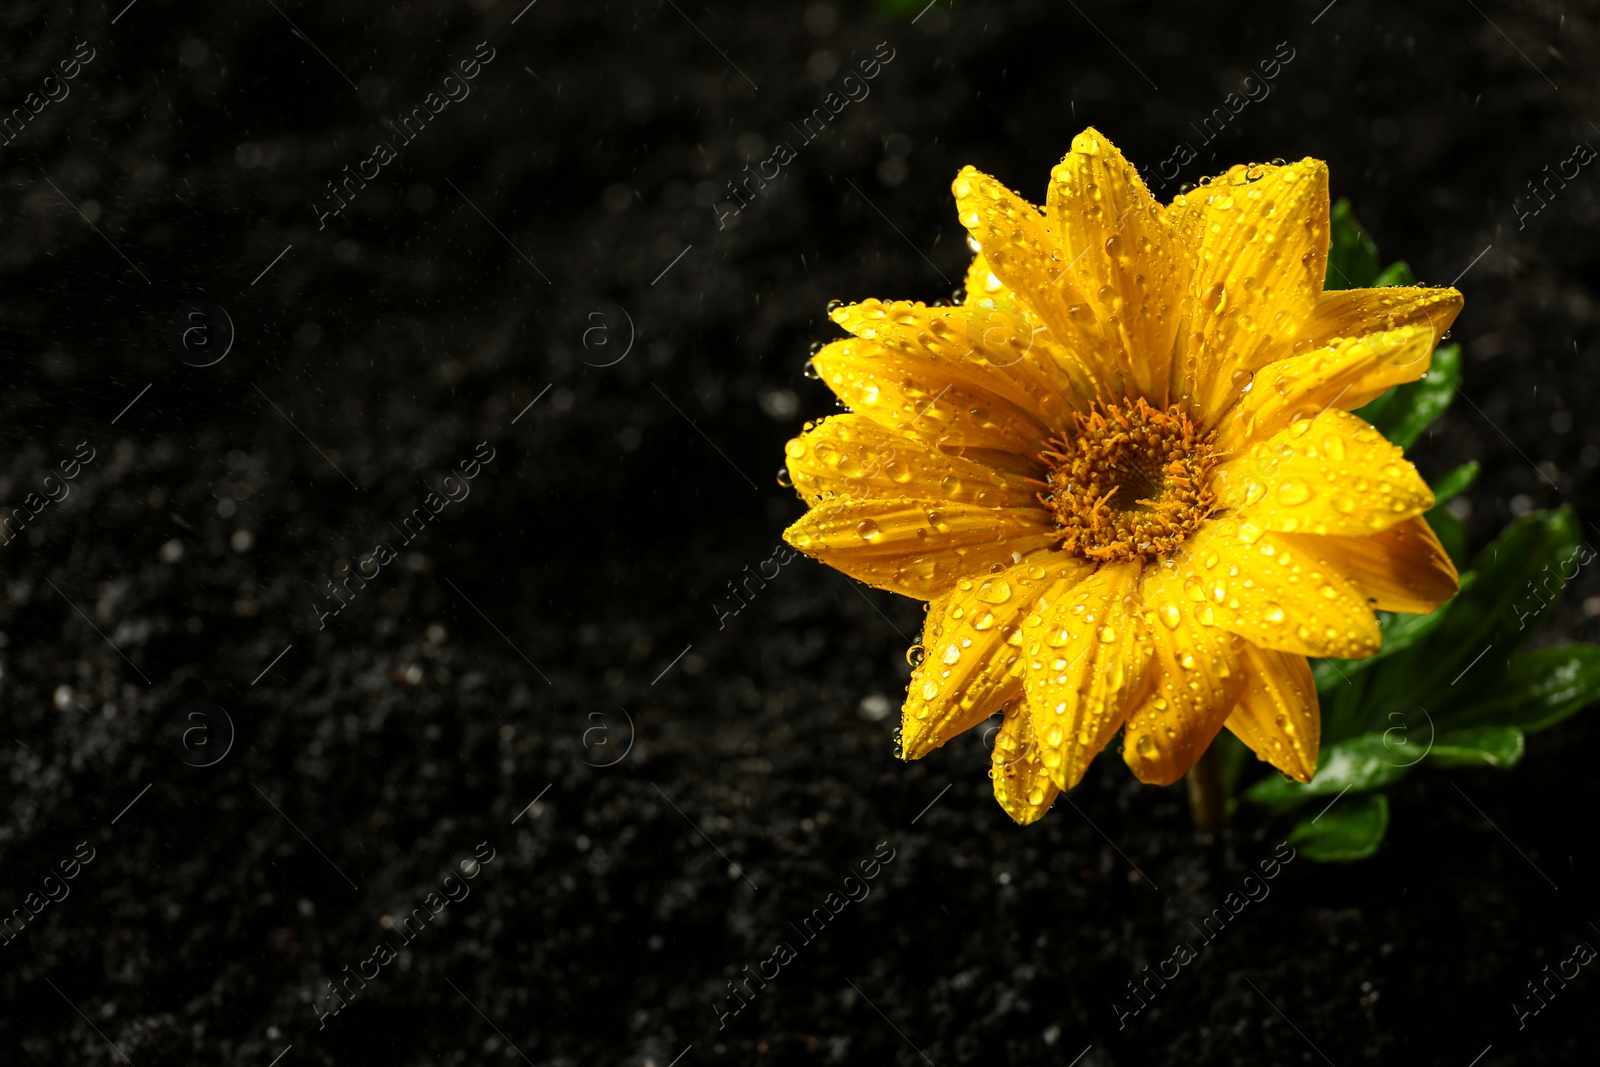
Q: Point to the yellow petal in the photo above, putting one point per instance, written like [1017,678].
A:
[852,458]
[1129,266]
[994,343]
[918,548]
[983,283]
[1023,253]
[920,399]
[1021,784]
[1266,590]
[972,661]
[1404,568]
[1262,232]
[1357,312]
[1195,678]
[1345,375]
[1088,660]
[1332,474]
[1276,716]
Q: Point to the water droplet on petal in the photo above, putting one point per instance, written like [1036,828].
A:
[995,591]
[1291,492]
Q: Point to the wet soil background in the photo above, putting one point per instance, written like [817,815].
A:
[545,680]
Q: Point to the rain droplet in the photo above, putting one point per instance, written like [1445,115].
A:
[995,591]
[1292,493]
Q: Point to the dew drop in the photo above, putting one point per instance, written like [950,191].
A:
[1291,492]
[995,591]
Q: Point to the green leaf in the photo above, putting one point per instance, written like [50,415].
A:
[1352,255]
[1332,673]
[1519,578]
[1455,483]
[1400,631]
[1363,763]
[1405,411]
[1452,535]
[1396,273]
[1537,691]
[1351,829]
[1487,746]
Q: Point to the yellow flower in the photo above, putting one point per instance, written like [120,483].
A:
[1125,474]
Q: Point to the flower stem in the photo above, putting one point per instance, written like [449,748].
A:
[1207,801]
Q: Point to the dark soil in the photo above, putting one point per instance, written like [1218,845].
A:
[533,629]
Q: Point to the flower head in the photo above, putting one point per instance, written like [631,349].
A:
[1125,474]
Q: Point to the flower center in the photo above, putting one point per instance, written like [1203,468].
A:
[1129,481]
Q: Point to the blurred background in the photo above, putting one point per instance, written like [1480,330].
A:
[392,401]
